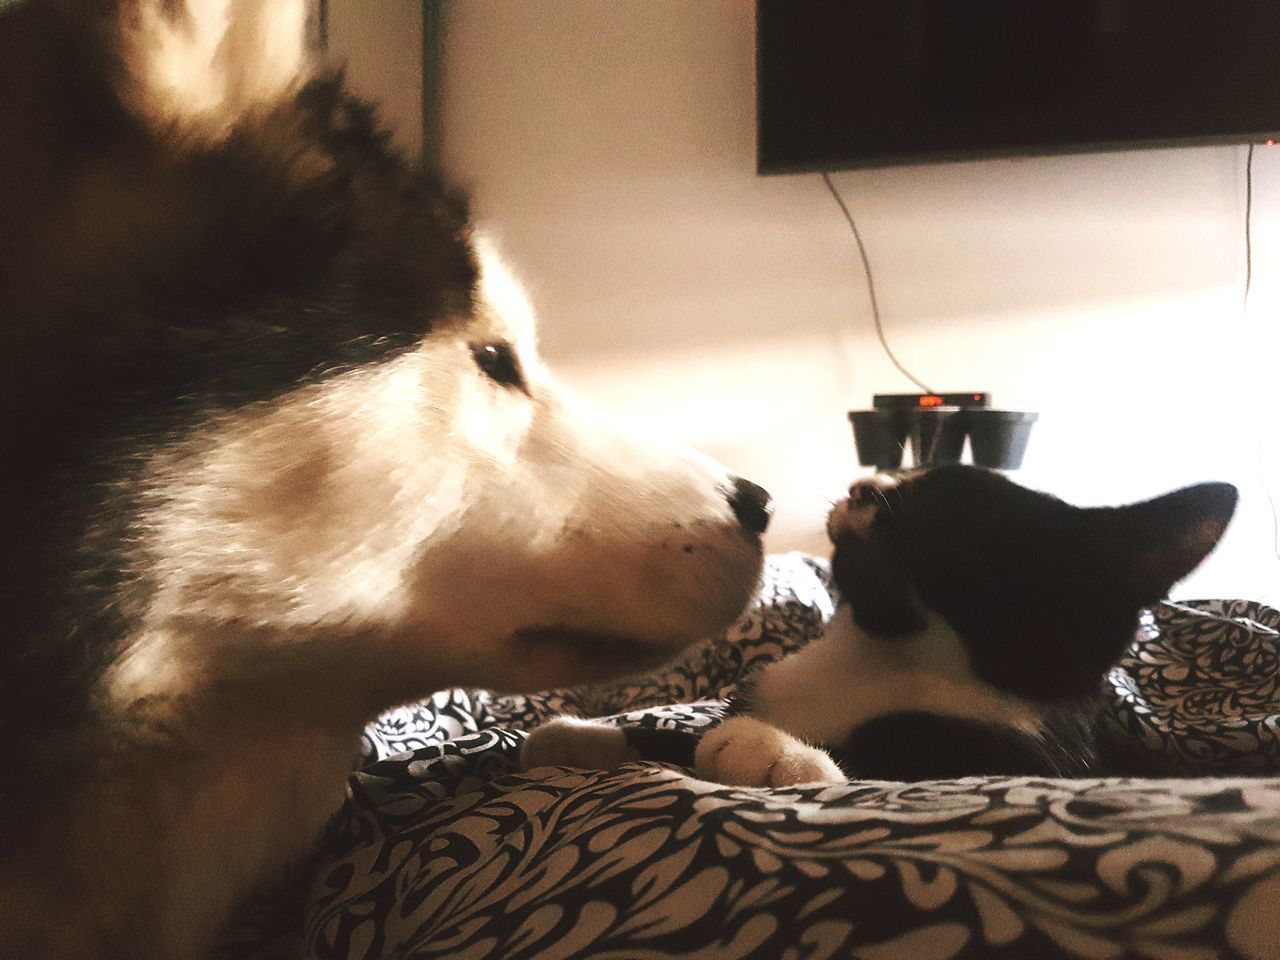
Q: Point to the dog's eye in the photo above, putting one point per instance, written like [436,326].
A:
[498,362]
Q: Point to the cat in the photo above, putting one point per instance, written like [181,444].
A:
[977,620]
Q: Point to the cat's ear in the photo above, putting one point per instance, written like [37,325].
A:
[1158,542]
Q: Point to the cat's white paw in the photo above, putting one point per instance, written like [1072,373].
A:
[572,742]
[746,752]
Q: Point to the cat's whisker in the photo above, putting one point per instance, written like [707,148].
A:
[886,502]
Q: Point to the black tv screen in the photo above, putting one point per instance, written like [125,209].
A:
[846,83]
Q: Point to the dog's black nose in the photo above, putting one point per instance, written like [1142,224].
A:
[750,504]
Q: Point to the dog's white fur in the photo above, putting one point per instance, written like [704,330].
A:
[204,63]
[324,556]
[406,499]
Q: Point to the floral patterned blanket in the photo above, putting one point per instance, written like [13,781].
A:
[446,849]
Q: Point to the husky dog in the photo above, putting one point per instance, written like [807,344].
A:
[278,453]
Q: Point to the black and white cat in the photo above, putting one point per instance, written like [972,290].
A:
[977,621]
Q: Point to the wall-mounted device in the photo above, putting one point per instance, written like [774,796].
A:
[853,83]
[936,425]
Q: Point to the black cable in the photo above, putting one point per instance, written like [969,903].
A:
[871,284]
[1248,223]
[1248,282]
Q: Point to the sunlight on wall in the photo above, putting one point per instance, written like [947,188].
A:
[611,148]
[1131,421]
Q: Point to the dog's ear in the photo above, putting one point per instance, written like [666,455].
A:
[203,64]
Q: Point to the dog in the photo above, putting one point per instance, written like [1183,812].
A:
[279,453]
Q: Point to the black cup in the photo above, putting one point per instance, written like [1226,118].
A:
[998,438]
[937,435]
[880,436]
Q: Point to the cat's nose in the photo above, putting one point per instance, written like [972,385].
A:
[750,504]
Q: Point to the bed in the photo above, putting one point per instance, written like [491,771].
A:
[446,849]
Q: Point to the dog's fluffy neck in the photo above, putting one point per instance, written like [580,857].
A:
[208,770]
[275,680]
[218,791]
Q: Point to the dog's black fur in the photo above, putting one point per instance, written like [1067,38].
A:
[144,288]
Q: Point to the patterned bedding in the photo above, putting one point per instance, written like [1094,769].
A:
[446,849]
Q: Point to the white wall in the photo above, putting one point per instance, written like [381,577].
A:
[381,46]
[610,145]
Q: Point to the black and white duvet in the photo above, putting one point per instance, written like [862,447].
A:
[446,849]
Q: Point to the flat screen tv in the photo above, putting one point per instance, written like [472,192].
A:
[848,83]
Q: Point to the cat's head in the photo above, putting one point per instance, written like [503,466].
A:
[1044,595]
